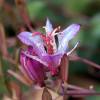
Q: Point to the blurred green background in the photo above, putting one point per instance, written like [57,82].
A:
[63,13]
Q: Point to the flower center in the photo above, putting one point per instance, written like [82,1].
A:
[48,43]
[49,40]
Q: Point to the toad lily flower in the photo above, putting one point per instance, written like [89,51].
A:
[44,52]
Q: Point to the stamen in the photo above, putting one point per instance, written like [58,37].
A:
[54,31]
[53,43]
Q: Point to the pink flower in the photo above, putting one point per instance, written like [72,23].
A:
[44,53]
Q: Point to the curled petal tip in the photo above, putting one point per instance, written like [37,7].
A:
[71,31]
[75,28]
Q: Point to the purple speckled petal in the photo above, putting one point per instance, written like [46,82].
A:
[35,41]
[36,58]
[54,59]
[34,69]
[48,27]
[53,62]
[66,35]
[23,63]
[25,38]
[37,69]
